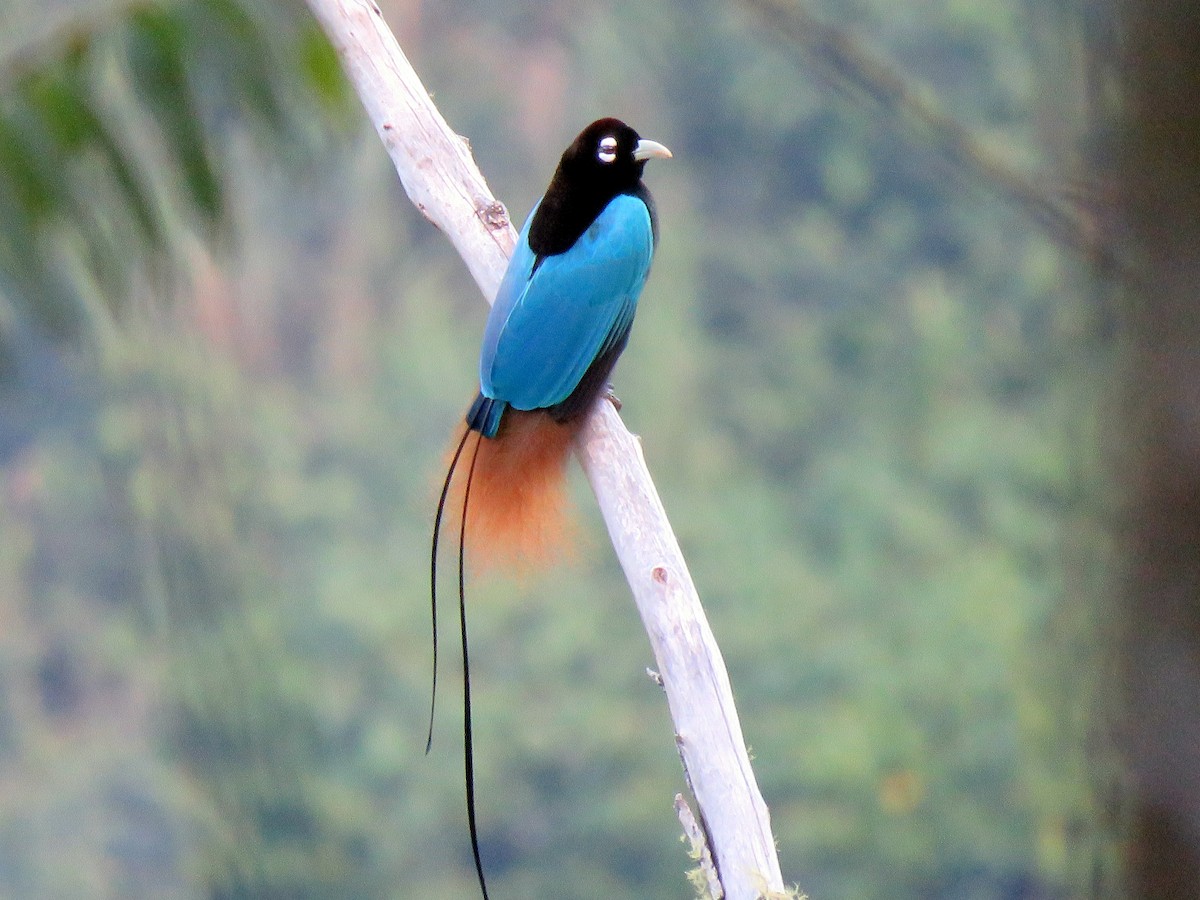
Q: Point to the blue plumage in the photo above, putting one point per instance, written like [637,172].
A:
[554,317]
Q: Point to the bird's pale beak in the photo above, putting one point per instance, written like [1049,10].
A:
[650,150]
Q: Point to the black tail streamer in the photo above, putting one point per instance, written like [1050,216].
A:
[433,559]
[468,741]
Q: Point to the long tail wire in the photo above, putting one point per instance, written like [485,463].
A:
[468,742]
[433,560]
[468,739]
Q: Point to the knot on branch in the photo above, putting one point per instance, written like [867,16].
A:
[492,214]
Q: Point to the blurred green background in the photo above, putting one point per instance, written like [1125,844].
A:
[874,390]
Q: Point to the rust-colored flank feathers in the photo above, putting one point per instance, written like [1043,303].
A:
[517,515]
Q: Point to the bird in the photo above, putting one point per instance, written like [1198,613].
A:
[561,318]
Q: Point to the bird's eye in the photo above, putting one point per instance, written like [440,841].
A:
[608,150]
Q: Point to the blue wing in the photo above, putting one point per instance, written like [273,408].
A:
[547,326]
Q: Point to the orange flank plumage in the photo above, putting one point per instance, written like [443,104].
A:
[517,509]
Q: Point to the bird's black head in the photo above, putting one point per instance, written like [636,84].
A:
[606,159]
[609,152]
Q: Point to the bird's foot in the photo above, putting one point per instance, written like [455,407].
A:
[611,397]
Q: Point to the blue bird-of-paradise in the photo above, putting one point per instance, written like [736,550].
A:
[561,318]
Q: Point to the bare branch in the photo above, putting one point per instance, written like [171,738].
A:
[440,177]
[434,163]
[707,730]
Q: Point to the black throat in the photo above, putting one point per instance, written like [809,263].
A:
[567,211]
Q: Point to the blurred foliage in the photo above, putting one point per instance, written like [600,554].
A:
[115,129]
[875,399]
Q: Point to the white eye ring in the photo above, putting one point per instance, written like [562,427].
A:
[608,149]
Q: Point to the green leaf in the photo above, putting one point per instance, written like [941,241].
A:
[322,69]
[157,53]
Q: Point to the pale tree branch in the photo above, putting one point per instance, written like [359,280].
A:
[440,177]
